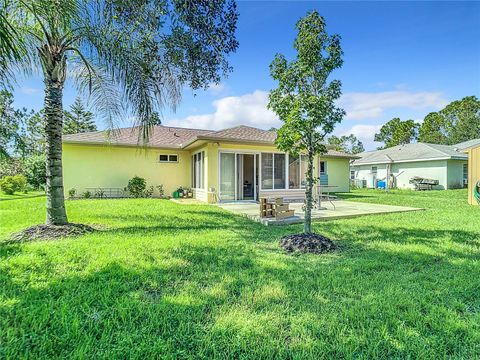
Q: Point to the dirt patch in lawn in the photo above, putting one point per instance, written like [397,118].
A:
[307,243]
[50,232]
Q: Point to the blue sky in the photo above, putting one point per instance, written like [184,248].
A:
[401,59]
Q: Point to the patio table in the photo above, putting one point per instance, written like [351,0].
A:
[319,195]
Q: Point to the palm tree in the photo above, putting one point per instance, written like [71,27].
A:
[129,56]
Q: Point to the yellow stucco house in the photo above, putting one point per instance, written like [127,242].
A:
[239,163]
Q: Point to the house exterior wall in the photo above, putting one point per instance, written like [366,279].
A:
[473,172]
[455,173]
[337,169]
[91,166]
[434,169]
[338,173]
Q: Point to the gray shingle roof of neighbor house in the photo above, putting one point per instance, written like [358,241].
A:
[410,153]
[467,144]
[179,138]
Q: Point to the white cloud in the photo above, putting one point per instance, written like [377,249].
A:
[217,89]
[363,105]
[365,133]
[29,90]
[249,109]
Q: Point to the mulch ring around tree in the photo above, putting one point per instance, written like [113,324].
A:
[307,243]
[50,232]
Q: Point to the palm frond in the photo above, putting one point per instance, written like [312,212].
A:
[148,84]
[94,81]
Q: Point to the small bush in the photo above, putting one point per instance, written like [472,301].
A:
[12,184]
[136,187]
[161,192]
[87,194]
[21,182]
[72,192]
[7,185]
[148,192]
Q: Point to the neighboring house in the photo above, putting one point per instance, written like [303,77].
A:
[446,163]
[239,163]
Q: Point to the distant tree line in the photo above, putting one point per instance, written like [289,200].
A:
[22,137]
[459,121]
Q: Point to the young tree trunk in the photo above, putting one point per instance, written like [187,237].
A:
[307,226]
[56,214]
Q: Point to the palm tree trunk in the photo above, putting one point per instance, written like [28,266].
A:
[307,226]
[56,214]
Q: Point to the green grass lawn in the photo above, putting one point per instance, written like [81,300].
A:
[164,280]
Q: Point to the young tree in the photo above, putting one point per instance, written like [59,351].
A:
[349,144]
[397,132]
[155,119]
[78,119]
[304,99]
[138,53]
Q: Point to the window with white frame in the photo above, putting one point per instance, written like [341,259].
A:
[374,170]
[283,171]
[352,174]
[198,161]
[168,158]
[465,173]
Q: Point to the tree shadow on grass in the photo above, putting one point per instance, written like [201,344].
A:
[381,296]
[238,302]
[7,249]
[20,197]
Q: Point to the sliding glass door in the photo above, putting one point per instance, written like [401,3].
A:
[238,176]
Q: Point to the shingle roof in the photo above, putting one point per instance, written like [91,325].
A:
[179,138]
[467,144]
[161,136]
[340,154]
[409,153]
[242,132]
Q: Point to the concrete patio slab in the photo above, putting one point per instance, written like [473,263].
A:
[343,209]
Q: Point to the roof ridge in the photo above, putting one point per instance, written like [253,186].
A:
[183,128]
[438,150]
[243,126]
